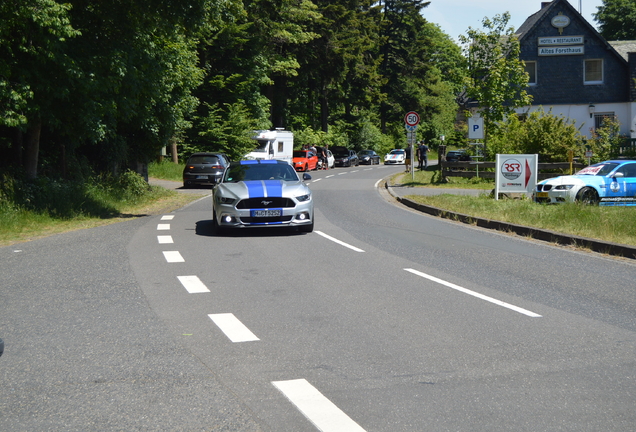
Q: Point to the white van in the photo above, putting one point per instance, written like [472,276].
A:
[273,144]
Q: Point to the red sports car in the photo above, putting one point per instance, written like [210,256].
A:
[304,160]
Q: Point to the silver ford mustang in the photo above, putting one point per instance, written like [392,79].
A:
[262,193]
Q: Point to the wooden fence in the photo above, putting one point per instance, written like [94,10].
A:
[487,169]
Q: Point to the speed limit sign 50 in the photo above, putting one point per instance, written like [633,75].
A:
[412,118]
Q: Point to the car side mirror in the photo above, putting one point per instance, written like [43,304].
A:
[619,175]
[306,177]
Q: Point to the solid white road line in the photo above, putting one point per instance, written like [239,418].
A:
[233,328]
[328,237]
[193,284]
[167,217]
[163,227]
[474,294]
[173,256]
[165,239]
[319,410]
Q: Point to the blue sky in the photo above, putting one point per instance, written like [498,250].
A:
[455,16]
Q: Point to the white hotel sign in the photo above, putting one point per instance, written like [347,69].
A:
[553,46]
[561,40]
[561,50]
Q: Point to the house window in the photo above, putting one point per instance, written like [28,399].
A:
[531,70]
[594,71]
[599,119]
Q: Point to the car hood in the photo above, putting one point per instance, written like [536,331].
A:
[573,180]
[263,189]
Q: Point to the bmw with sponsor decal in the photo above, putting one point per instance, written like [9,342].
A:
[262,193]
[608,183]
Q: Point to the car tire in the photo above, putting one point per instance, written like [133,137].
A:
[587,195]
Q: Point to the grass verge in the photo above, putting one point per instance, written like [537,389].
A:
[610,224]
[31,210]
[166,170]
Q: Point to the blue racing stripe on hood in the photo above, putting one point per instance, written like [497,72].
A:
[255,188]
[264,188]
[274,188]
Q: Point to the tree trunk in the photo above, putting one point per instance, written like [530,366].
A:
[32,149]
[324,109]
[17,143]
[173,150]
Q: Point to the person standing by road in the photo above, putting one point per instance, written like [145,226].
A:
[422,155]
[407,158]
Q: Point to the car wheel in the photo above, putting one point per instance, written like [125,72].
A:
[588,195]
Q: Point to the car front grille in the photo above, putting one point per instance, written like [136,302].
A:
[275,202]
[544,188]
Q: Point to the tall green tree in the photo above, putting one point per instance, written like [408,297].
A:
[33,70]
[340,67]
[497,78]
[617,19]
[282,29]
[112,80]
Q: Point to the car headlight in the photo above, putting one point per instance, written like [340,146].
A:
[563,187]
[224,200]
[303,198]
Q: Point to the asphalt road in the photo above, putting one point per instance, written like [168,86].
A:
[382,319]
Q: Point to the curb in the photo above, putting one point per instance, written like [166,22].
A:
[613,249]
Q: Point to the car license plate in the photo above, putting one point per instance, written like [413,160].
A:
[202,177]
[542,195]
[267,213]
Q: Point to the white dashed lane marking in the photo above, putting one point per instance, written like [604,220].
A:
[233,328]
[193,284]
[167,217]
[319,410]
[475,294]
[173,256]
[165,239]
[163,227]
[335,240]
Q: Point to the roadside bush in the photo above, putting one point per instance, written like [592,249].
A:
[545,134]
[99,196]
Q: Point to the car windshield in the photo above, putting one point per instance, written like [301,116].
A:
[300,154]
[365,153]
[199,160]
[341,154]
[260,171]
[397,151]
[599,169]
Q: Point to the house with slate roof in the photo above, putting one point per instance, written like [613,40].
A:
[575,72]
